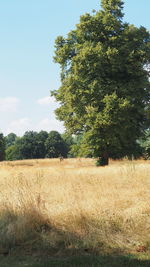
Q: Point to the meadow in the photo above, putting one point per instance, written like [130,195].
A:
[71,213]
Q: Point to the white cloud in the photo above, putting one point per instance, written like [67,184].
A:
[50,125]
[19,126]
[9,104]
[46,100]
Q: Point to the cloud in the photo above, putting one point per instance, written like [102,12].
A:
[19,126]
[50,125]
[9,104]
[45,101]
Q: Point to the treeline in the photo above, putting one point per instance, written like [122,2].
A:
[35,145]
[38,145]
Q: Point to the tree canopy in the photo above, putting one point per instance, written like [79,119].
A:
[105,89]
[55,145]
[33,145]
[43,145]
[10,139]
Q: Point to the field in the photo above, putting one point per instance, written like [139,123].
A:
[71,213]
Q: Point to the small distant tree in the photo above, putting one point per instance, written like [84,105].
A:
[105,89]
[55,145]
[2,147]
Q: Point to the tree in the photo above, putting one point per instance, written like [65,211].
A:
[145,144]
[55,146]
[13,153]
[10,139]
[27,145]
[30,146]
[105,89]
[80,148]
[2,147]
[69,142]
[40,144]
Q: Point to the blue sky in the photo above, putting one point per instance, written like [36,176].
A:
[28,29]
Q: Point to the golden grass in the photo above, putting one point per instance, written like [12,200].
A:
[75,205]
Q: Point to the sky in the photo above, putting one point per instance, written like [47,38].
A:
[28,29]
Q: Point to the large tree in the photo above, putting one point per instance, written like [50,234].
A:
[105,89]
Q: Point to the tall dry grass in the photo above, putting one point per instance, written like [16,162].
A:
[74,205]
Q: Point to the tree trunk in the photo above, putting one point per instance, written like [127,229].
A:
[103,159]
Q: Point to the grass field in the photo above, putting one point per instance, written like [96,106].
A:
[72,213]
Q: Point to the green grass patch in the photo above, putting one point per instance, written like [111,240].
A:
[74,261]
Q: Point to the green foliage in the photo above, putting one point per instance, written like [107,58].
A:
[80,148]
[69,142]
[12,153]
[35,145]
[10,139]
[145,144]
[18,259]
[40,144]
[28,145]
[105,88]
[102,161]
[113,7]
[2,147]
[32,145]
[55,145]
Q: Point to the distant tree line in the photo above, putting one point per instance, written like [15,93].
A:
[38,145]
[33,145]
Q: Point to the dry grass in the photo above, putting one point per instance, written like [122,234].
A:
[74,205]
